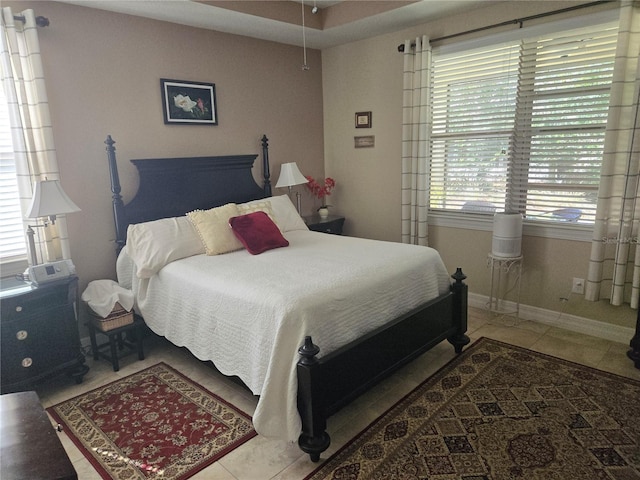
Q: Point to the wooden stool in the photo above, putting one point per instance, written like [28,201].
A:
[116,341]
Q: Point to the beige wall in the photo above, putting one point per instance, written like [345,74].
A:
[103,72]
[367,76]
[103,75]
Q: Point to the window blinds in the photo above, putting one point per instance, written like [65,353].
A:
[520,126]
[12,239]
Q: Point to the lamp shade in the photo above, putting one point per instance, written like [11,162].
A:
[50,200]
[290,175]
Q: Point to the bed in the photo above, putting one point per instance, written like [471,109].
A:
[307,323]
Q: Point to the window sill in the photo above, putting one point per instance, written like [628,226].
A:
[470,221]
[9,268]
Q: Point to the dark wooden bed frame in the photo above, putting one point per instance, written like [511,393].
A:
[171,187]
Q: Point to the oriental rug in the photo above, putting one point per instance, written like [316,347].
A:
[502,412]
[155,423]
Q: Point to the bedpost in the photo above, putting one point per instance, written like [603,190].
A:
[266,173]
[314,439]
[460,293]
[118,205]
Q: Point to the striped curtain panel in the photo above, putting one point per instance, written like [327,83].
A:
[23,81]
[416,118]
[614,267]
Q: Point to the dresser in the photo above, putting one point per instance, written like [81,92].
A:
[39,333]
[29,445]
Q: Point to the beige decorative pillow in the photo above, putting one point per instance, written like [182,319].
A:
[258,206]
[214,230]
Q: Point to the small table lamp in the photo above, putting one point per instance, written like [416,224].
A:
[289,176]
[48,200]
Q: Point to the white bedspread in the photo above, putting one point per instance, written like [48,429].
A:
[249,314]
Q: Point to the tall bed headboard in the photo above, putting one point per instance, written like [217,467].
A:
[171,187]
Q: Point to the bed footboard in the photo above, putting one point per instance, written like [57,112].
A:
[327,384]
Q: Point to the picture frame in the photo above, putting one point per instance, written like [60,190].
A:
[188,103]
[363,119]
[364,142]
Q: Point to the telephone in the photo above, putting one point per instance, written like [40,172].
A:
[49,272]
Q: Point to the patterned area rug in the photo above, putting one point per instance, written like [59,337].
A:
[502,412]
[153,424]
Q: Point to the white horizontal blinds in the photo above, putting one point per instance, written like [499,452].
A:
[473,104]
[12,239]
[561,115]
[520,126]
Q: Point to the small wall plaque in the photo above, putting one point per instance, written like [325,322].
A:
[363,119]
[363,142]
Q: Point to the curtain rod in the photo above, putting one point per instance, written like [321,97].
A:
[519,21]
[40,21]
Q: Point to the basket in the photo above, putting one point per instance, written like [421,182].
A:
[118,317]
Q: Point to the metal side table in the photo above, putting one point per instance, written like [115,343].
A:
[504,269]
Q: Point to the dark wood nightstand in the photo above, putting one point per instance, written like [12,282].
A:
[39,333]
[330,224]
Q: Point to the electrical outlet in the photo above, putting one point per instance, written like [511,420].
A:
[577,286]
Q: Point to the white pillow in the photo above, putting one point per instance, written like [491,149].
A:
[213,227]
[284,212]
[152,245]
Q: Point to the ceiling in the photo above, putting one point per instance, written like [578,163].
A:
[335,23]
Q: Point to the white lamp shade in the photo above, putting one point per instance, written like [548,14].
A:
[49,200]
[290,175]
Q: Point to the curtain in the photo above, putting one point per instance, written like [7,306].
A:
[614,266]
[23,81]
[416,119]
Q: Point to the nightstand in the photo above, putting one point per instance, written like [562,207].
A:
[39,333]
[330,224]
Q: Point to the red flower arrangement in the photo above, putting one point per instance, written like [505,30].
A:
[321,190]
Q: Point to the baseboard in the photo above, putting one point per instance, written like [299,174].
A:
[587,326]
[85,343]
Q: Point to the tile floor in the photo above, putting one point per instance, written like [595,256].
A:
[263,459]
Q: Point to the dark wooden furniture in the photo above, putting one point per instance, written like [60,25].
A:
[634,353]
[39,333]
[117,341]
[330,224]
[29,445]
[173,186]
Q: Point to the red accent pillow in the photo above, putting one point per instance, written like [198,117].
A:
[257,232]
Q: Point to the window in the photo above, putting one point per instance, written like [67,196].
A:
[520,126]
[12,237]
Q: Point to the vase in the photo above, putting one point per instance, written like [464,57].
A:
[323,212]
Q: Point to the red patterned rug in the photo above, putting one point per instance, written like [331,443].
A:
[153,424]
[502,412]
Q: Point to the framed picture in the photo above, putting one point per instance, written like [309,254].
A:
[188,103]
[363,119]
[364,142]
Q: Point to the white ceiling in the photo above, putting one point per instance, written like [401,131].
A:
[195,14]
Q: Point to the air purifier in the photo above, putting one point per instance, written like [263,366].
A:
[507,235]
